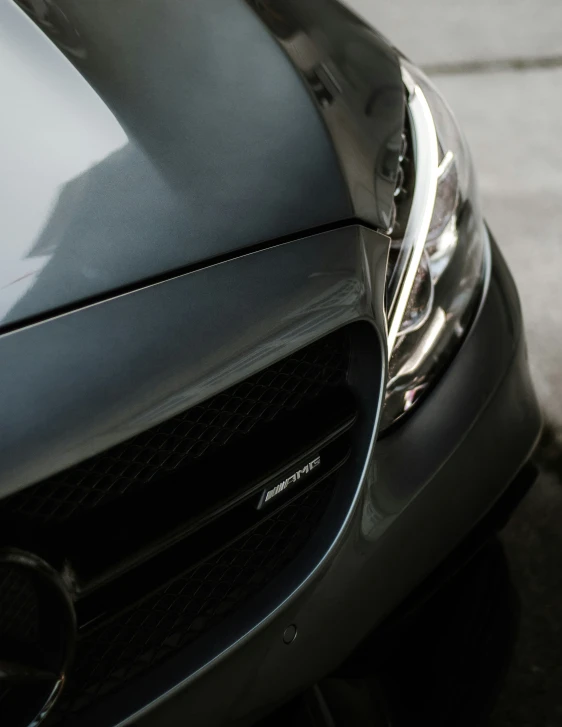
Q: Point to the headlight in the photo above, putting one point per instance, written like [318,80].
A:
[439,257]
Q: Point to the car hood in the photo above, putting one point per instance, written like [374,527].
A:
[139,140]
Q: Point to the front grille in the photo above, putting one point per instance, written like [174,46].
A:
[191,604]
[202,430]
[18,606]
[182,538]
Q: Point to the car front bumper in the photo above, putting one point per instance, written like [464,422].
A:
[430,482]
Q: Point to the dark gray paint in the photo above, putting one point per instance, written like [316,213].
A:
[202,140]
[78,383]
[425,487]
[354,76]
[75,384]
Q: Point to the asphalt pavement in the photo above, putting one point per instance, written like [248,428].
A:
[499,64]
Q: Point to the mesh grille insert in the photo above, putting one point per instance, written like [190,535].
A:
[18,606]
[199,431]
[192,604]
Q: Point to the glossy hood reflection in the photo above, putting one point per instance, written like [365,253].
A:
[165,145]
[55,131]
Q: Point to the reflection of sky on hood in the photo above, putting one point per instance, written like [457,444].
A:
[48,137]
[221,152]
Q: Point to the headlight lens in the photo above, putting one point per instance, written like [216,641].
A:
[439,258]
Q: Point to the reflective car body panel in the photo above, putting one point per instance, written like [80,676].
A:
[168,164]
[208,192]
[167,145]
[426,485]
[78,383]
[352,74]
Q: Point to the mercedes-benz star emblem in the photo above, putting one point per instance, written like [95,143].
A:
[37,636]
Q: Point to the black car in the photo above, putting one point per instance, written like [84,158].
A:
[264,390]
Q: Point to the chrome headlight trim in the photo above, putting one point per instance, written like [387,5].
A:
[426,159]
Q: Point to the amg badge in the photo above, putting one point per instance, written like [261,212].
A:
[271,493]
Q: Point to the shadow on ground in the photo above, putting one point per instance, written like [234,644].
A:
[532,696]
